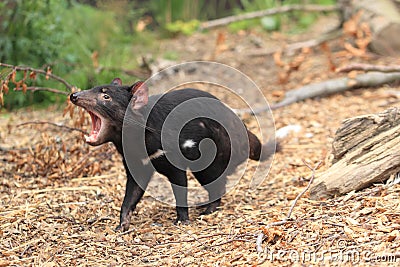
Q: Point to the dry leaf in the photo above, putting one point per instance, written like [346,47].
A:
[32,75]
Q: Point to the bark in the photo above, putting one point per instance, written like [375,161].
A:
[383,17]
[366,150]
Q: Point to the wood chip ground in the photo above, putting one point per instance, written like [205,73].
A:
[51,215]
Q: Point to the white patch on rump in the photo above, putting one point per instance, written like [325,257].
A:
[156,155]
[188,143]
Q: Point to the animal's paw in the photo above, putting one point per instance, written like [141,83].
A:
[182,222]
[211,207]
[122,227]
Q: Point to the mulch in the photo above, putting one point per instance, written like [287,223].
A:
[60,198]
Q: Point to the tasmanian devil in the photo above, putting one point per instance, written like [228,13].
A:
[169,133]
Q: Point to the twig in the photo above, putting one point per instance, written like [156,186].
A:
[51,123]
[30,242]
[93,222]
[114,174]
[305,189]
[58,189]
[267,12]
[127,232]
[260,236]
[259,241]
[50,75]
[25,250]
[52,90]
[369,67]
[285,220]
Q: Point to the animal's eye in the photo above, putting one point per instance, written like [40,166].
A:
[106,97]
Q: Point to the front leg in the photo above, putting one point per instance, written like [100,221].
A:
[133,193]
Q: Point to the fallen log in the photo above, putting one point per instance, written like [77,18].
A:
[326,88]
[383,18]
[366,150]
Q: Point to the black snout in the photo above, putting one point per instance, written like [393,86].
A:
[73,97]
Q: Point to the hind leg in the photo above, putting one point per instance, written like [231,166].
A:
[211,207]
[215,187]
[178,180]
[179,187]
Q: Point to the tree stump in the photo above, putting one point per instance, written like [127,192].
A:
[366,150]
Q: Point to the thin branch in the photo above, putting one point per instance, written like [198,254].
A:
[50,75]
[34,89]
[260,236]
[53,124]
[267,12]
[305,189]
[369,67]
[127,232]
[285,220]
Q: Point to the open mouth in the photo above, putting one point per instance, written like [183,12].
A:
[96,128]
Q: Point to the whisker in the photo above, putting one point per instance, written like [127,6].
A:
[129,119]
[141,125]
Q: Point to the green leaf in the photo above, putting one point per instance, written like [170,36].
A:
[270,23]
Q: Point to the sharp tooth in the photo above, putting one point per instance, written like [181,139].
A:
[86,137]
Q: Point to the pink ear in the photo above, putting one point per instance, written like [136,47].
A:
[117,81]
[141,93]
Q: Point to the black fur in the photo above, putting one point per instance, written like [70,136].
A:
[113,108]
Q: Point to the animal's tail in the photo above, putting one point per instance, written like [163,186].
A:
[260,151]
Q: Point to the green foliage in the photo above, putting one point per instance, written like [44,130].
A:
[64,37]
[167,11]
[171,55]
[186,28]
[31,34]
[23,28]
[271,23]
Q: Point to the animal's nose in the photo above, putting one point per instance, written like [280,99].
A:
[73,97]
